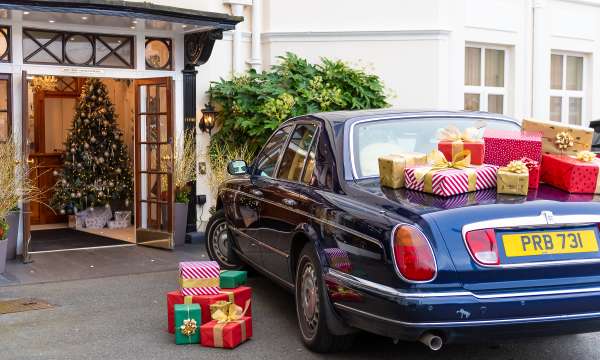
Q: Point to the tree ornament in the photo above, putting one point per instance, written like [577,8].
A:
[106,154]
[73,195]
[73,150]
[62,211]
[93,139]
[104,133]
[86,121]
[78,194]
[118,170]
[55,173]
[86,146]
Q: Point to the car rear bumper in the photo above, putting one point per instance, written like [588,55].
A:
[462,316]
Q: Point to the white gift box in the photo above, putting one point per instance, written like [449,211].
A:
[123,216]
[98,217]
[118,224]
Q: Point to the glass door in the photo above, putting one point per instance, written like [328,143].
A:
[154,195]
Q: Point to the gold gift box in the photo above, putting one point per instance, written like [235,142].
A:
[512,183]
[582,136]
[391,168]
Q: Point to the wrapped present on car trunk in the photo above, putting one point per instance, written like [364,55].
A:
[199,277]
[574,174]
[452,141]
[448,178]
[504,146]
[559,138]
[391,168]
[513,179]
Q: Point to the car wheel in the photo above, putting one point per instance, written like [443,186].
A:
[312,309]
[219,244]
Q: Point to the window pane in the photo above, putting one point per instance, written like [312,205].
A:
[265,165]
[575,111]
[158,54]
[574,73]
[555,108]
[494,67]
[472,102]
[496,104]
[4,135]
[556,71]
[293,159]
[472,66]
[310,165]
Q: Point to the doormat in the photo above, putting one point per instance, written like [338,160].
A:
[20,305]
[64,239]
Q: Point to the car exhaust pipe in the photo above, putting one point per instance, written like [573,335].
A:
[433,342]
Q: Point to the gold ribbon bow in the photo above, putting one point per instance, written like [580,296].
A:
[517,167]
[438,162]
[453,134]
[189,327]
[229,312]
[564,140]
[586,156]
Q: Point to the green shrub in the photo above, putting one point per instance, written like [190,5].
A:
[251,106]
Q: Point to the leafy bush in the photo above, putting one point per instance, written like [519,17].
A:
[253,105]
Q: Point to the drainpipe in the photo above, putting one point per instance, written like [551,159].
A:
[237,9]
[256,59]
[540,72]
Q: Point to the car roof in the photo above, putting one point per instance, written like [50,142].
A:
[343,116]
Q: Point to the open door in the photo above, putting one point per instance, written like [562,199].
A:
[154,145]
[26,207]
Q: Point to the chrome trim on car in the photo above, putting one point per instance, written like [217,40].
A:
[398,272]
[545,218]
[411,116]
[308,215]
[369,286]
[260,243]
[470,322]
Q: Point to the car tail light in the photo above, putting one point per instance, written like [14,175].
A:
[413,254]
[483,246]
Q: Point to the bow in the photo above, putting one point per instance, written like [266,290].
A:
[229,312]
[438,162]
[452,133]
[517,167]
[586,156]
[189,327]
[564,140]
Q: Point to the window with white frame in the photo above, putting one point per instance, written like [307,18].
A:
[566,88]
[485,79]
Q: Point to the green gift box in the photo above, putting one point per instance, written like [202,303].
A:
[230,279]
[187,324]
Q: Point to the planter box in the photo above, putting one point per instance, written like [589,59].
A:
[3,246]
[180,223]
[13,231]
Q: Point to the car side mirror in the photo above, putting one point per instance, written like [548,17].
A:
[237,167]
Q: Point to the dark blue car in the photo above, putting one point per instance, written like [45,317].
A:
[309,213]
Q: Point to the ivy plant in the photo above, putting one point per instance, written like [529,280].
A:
[252,105]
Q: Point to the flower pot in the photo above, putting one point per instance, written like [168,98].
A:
[3,246]
[180,223]
[12,219]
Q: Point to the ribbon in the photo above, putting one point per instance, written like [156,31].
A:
[199,283]
[189,326]
[585,156]
[517,167]
[230,294]
[232,314]
[459,138]
[439,163]
[187,299]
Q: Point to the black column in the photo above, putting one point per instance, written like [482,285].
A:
[189,124]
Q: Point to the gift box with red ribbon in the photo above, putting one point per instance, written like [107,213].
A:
[572,174]
[503,146]
[239,296]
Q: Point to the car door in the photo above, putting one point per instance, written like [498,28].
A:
[249,199]
[286,200]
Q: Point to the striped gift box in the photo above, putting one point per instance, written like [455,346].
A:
[487,196]
[199,278]
[453,182]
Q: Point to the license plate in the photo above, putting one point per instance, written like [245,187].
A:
[550,243]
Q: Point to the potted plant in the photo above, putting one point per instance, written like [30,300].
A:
[12,220]
[184,172]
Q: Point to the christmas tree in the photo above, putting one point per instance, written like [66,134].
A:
[97,169]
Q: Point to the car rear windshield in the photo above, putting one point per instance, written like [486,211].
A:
[372,139]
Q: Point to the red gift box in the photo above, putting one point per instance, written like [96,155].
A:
[570,174]
[451,148]
[239,295]
[502,147]
[226,335]
[534,172]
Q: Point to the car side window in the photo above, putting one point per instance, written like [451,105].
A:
[265,164]
[297,153]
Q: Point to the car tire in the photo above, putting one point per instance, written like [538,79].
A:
[219,244]
[312,306]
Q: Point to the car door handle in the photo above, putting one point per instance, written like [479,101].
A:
[289,202]
[256,192]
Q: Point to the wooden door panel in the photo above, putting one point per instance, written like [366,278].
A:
[46,164]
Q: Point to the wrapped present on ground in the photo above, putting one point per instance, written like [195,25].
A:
[453,141]
[578,174]
[97,218]
[559,138]
[229,328]
[338,259]
[534,172]
[230,279]
[513,179]
[118,224]
[187,323]
[503,146]
[123,216]
[448,178]
[199,277]
[391,168]
[76,221]
[239,296]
